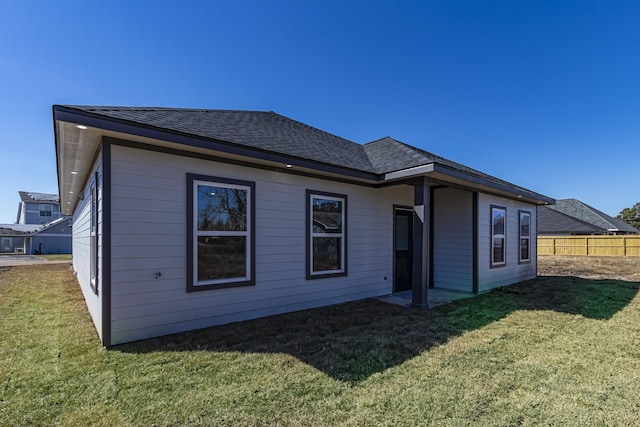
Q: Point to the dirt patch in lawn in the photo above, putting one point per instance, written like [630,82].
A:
[616,268]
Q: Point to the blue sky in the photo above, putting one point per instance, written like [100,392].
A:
[544,94]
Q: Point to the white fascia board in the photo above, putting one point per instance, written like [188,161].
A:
[405,173]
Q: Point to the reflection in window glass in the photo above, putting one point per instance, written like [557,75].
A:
[525,236]
[327,234]
[326,253]
[222,209]
[327,216]
[221,257]
[221,232]
[498,226]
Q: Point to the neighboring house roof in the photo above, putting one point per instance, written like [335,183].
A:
[18,229]
[47,226]
[267,136]
[29,229]
[567,213]
[29,196]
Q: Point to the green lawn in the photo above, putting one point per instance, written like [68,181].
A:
[56,257]
[552,351]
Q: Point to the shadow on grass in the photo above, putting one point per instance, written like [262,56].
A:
[352,341]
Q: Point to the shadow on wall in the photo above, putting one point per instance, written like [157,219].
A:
[352,341]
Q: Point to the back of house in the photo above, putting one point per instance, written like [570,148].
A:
[187,218]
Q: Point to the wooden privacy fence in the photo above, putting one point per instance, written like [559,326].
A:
[628,245]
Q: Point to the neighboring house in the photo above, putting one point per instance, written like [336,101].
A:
[573,217]
[40,227]
[51,238]
[185,218]
[16,238]
[38,208]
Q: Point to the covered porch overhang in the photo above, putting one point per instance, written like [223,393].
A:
[425,180]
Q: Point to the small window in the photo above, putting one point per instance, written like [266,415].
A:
[221,232]
[45,210]
[326,234]
[498,233]
[524,225]
[93,235]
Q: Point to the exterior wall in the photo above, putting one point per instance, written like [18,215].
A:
[512,272]
[11,243]
[453,239]
[82,251]
[30,213]
[149,236]
[54,240]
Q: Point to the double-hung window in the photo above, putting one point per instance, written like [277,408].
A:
[498,236]
[93,234]
[221,234]
[45,210]
[326,234]
[524,225]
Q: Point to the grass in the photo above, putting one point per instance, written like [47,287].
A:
[552,351]
[56,257]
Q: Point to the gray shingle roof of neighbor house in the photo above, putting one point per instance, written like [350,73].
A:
[29,196]
[26,229]
[268,132]
[584,217]
[18,229]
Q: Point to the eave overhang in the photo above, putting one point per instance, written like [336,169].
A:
[78,135]
[448,175]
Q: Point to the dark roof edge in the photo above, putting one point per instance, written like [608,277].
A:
[71,115]
[82,117]
[519,192]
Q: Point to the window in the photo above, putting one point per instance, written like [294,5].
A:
[498,241]
[524,225]
[45,210]
[220,232]
[326,234]
[93,235]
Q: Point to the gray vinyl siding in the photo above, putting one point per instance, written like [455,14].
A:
[513,271]
[149,236]
[81,248]
[453,239]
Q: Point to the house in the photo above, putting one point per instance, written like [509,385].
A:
[40,226]
[572,217]
[15,238]
[38,208]
[51,238]
[187,218]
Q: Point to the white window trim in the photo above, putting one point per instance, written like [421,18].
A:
[502,236]
[199,233]
[342,235]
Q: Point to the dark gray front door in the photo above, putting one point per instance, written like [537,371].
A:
[403,244]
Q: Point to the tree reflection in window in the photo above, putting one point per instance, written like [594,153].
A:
[221,236]
[222,209]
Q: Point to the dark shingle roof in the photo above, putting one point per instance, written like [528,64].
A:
[553,222]
[30,196]
[390,155]
[590,215]
[263,130]
[270,132]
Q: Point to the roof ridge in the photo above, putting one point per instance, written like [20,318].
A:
[153,108]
